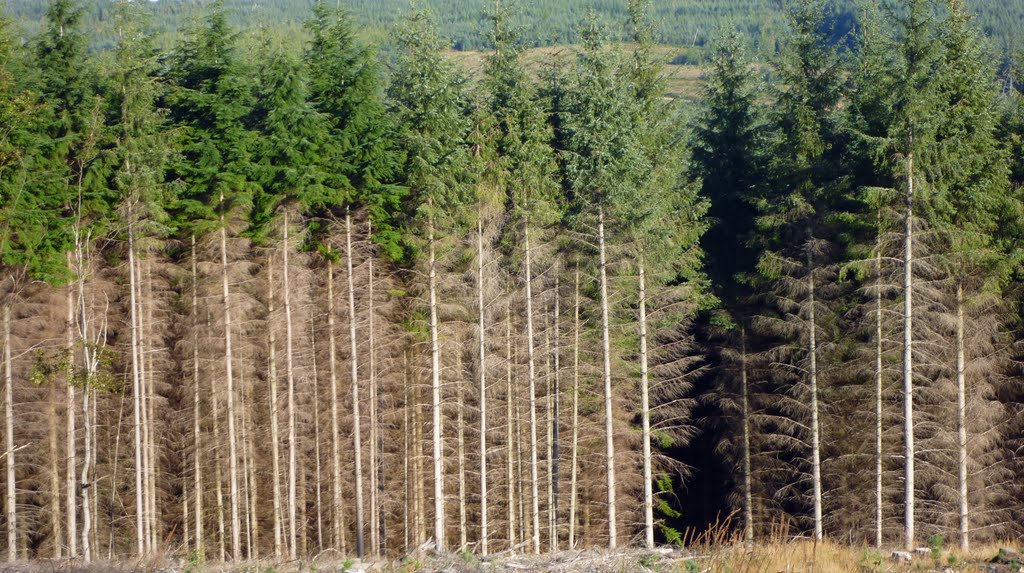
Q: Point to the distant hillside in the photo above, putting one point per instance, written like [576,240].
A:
[683,23]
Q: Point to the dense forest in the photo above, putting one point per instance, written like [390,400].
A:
[687,25]
[259,300]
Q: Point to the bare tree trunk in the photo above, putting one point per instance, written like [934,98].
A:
[483,381]
[72,465]
[407,453]
[56,519]
[575,410]
[748,503]
[435,383]
[509,435]
[236,542]
[253,487]
[532,377]
[878,390]
[606,349]
[335,435]
[645,414]
[290,373]
[812,372]
[11,501]
[86,486]
[147,527]
[961,418]
[275,434]
[908,354]
[316,441]
[219,476]
[196,433]
[357,441]
[376,441]
[555,397]
[137,407]
[419,473]
[548,428]
[461,389]
[247,519]
[152,462]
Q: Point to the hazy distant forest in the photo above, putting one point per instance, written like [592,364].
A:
[260,298]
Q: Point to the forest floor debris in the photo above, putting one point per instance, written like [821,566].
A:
[793,557]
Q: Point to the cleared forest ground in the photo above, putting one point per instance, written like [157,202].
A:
[793,557]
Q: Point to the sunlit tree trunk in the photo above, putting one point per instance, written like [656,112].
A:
[140,510]
[606,350]
[483,381]
[575,411]
[196,430]
[11,501]
[908,355]
[509,431]
[354,363]
[275,433]
[236,543]
[435,378]
[645,415]
[290,373]
[748,502]
[961,419]
[532,378]
[335,433]
[812,372]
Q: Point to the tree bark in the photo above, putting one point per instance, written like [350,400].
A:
[483,381]
[607,353]
[645,415]
[435,379]
[376,443]
[140,509]
[461,390]
[236,543]
[812,371]
[961,419]
[293,548]
[70,473]
[575,411]
[532,378]
[354,363]
[335,434]
[555,398]
[275,433]
[908,354]
[509,430]
[878,394]
[196,430]
[11,501]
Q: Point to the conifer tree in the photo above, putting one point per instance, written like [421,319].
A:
[799,221]
[728,160]
[429,105]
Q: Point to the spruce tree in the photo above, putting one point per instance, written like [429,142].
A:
[428,102]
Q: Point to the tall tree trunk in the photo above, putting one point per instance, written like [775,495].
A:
[575,410]
[152,462]
[316,441]
[87,516]
[196,430]
[335,433]
[483,381]
[290,374]
[607,352]
[812,372]
[548,428]
[461,458]
[435,385]
[510,458]
[56,518]
[275,433]
[140,509]
[555,398]
[878,388]
[357,442]
[961,418]
[236,543]
[645,414]
[407,504]
[908,354]
[748,502]
[532,377]
[219,476]
[420,476]
[11,501]
[147,528]
[70,472]
[377,521]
